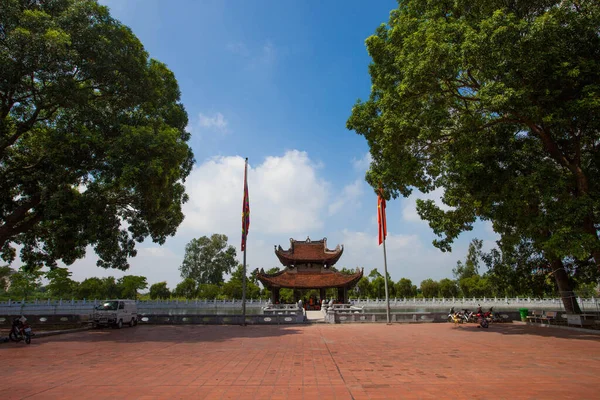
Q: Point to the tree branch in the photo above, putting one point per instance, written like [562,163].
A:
[18,222]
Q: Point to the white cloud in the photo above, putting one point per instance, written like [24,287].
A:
[362,164]
[156,263]
[407,256]
[238,48]
[489,227]
[156,252]
[349,197]
[216,121]
[255,57]
[409,211]
[286,195]
[269,53]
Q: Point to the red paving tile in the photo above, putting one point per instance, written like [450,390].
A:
[370,361]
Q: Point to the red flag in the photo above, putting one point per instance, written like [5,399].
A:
[245,209]
[381,216]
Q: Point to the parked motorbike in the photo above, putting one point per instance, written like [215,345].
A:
[492,316]
[455,316]
[468,316]
[20,330]
[481,319]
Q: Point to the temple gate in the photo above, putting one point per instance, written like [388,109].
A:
[308,265]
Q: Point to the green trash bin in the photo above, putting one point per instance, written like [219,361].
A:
[523,312]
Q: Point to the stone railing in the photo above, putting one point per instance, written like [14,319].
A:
[342,308]
[498,303]
[205,306]
[178,319]
[84,307]
[282,309]
[396,317]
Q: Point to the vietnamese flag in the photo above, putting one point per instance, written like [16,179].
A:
[381,216]
[245,209]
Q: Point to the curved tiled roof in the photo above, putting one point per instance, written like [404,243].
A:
[308,251]
[309,279]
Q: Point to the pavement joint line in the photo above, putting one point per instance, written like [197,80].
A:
[336,366]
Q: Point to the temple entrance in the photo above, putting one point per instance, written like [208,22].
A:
[309,273]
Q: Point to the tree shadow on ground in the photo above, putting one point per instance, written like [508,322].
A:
[176,334]
[550,331]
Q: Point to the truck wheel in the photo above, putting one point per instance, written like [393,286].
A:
[132,323]
[120,324]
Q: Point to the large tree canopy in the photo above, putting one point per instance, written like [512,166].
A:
[207,259]
[93,146]
[497,102]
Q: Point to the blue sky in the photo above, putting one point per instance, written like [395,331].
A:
[275,81]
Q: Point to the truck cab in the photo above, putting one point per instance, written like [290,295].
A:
[115,313]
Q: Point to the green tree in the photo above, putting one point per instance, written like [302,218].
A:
[377,287]
[111,289]
[206,259]
[374,274]
[232,289]
[363,286]
[519,271]
[131,284]
[92,134]
[448,288]
[209,291]
[159,291]
[273,270]
[5,273]
[25,282]
[476,286]
[471,266]
[286,296]
[430,288]
[495,102]
[91,288]
[187,288]
[405,288]
[345,271]
[60,284]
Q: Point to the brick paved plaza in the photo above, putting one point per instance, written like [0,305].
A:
[368,361]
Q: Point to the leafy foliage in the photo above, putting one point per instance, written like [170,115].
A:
[5,272]
[93,147]
[404,288]
[131,284]
[25,282]
[159,290]
[188,288]
[430,288]
[233,288]
[208,259]
[60,284]
[495,102]
[448,288]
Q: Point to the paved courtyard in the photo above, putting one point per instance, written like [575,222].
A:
[427,361]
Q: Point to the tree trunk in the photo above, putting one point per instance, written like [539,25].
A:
[564,287]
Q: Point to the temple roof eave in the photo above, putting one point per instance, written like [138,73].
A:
[329,257]
[285,279]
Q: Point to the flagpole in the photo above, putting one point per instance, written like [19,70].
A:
[387,296]
[245,247]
